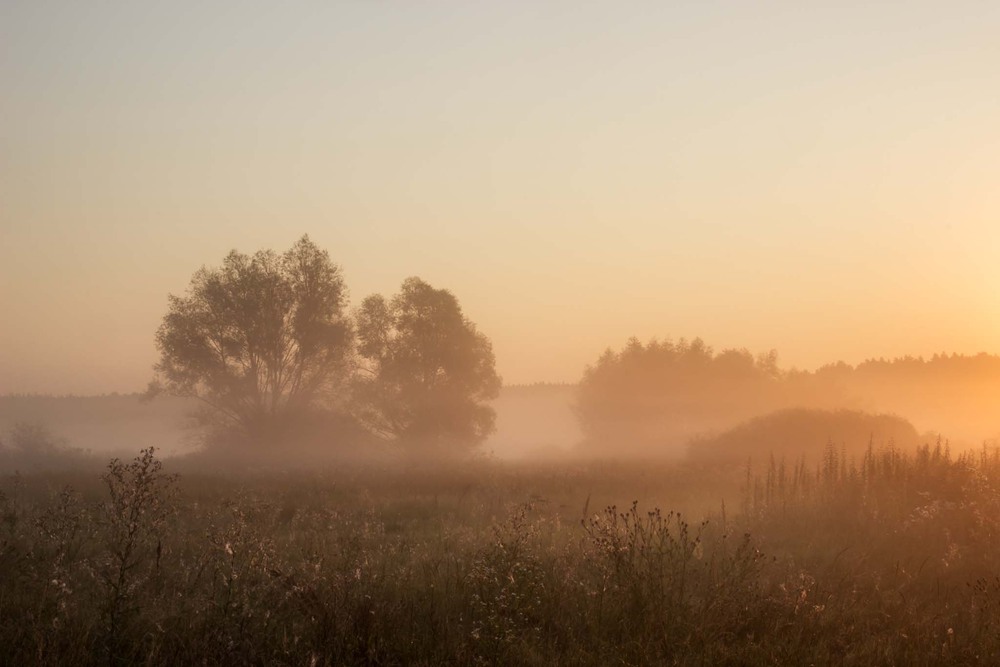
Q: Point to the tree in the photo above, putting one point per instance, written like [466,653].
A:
[654,397]
[427,370]
[259,339]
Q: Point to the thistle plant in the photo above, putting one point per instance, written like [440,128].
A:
[139,502]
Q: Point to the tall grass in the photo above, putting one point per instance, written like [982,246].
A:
[888,558]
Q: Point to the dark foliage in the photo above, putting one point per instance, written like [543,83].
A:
[886,559]
[260,341]
[428,370]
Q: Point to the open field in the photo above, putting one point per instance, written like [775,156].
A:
[885,558]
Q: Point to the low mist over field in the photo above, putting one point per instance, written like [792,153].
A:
[499,333]
[532,421]
[656,401]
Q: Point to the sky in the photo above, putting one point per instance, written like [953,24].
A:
[822,180]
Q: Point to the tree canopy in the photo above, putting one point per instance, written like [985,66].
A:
[258,338]
[427,371]
[663,392]
[654,397]
[266,344]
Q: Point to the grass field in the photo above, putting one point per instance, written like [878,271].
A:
[887,558]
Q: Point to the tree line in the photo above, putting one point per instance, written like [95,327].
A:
[268,345]
[660,394]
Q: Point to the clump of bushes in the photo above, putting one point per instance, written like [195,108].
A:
[32,447]
[800,434]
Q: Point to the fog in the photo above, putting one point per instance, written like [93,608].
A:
[668,401]
[532,422]
[653,399]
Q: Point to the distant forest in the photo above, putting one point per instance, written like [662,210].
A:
[658,395]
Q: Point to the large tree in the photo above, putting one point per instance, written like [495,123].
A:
[259,339]
[426,371]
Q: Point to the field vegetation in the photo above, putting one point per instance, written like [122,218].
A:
[715,510]
[886,557]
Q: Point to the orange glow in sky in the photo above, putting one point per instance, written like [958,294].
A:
[774,175]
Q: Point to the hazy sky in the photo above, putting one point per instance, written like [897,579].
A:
[824,181]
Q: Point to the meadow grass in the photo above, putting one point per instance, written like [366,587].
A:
[888,558]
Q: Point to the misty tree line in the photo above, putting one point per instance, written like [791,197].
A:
[664,392]
[268,346]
